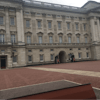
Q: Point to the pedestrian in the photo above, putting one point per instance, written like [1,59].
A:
[74,59]
[58,61]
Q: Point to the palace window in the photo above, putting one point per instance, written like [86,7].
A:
[79,48]
[15,59]
[29,50]
[58,15]
[29,58]
[68,25]
[39,24]
[79,55]
[59,25]
[38,13]
[51,49]
[52,57]
[78,40]
[27,23]
[60,39]
[13,40]
[84,25]
[28,39]
[1,8]
[49,25]
[69,39]
[41,57]
[14,51]
[76,26]
[87,54]
[40,39]
[85,39]
[2,50]
[12,21]
[50,39]
[1,20]
[2,38]
[41,50]
[26,12]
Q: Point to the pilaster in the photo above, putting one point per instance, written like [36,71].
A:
[7,25]
[20,28]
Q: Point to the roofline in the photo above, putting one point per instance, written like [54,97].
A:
[89,2]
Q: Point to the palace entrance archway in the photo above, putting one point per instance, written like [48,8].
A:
[62,57]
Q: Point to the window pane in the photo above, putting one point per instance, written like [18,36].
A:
[27,23]
[49,24]
[41,57]
[28,39]
[12,21]
[84,26]
[50,39]
[85,39]
[29,58]
[13,39]
[68,25]
[60,39]
[52,57]
[69,39]
[59,25]
[76,26]
[15,59]
[39,24]
[87,55]
[1,38]
[40,39]
[1,20]
[79,55]
[78,40]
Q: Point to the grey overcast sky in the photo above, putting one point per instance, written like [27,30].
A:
[77,3]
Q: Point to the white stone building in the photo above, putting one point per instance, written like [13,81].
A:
[36,32]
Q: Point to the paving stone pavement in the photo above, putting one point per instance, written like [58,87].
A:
[68,71]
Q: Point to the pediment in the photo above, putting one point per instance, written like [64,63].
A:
[60,33]
[2,31]
[40,33]
[28,32]
[50,33]
[69,34]
[78,34]
[85,34]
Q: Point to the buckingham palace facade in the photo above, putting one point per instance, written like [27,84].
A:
[33,32]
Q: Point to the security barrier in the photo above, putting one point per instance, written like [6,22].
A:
[77,92]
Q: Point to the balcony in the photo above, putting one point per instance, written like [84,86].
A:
[7,43]
[35,45]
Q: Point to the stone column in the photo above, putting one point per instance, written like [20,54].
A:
[98,23]
[34,27]
[64,28]
[7,25]
[55,29]
[9,59]
[92,28]
[20,28]
[45,28]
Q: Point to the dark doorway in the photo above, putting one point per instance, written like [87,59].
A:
[3,62]
[62,57]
